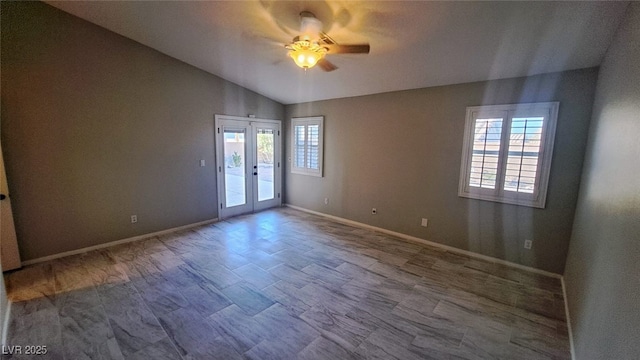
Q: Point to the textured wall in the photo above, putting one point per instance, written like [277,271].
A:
[400,152]
[96,127]
[603,266]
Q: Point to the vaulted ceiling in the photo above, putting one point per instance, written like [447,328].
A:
[414,44]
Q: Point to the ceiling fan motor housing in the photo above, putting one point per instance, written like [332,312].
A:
[310,28]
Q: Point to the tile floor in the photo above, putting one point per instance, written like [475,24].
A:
[283,284]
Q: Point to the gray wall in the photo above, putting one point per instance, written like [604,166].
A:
[97,127]
[603,266]
[400,152]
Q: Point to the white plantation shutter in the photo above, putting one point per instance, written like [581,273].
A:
[307,145]
[299,143]
[507,151]
[486,149]
[524,153]
[313,140]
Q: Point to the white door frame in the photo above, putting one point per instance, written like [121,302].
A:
[9,254]
[249,126]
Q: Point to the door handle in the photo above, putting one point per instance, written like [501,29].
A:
[3,196]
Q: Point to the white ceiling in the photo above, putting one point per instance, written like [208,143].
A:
[413,44]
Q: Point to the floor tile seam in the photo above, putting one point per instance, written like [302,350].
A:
[304,301]
[555,328]
[520,286]
[144,302]
[91,276]
[506,323]
[61,339]
[319,329]
[244,353]
[12,288]
[174,346]
[392,356]
[84,267]
[221,336]
[243,277]
[491,274]
[106,315]
[275,303]
[470,311]
[385,321]
[262,288]
[57,291]
[467,329]
[538,334]
[536,350]
[483,300]
[267,269]
[334,338]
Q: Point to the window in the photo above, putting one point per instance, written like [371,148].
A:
[506,154]
[306,145]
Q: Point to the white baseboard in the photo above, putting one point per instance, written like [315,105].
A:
[5,324]
[117,242]
[566,313]
[427,242]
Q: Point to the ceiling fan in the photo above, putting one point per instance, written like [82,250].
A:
[312,45]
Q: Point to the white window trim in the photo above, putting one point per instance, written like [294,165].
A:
[306,121]
[539,196]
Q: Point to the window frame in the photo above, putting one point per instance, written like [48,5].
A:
[306,122]
[537,199]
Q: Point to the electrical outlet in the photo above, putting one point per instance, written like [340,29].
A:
[374,211]
[134,219]
[424,222]
[326,201]
[202,163]
[528,243]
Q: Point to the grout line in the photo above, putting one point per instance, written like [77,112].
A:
[118,242]
[427,242]
[466,331]
[566,311]
[144,301]
[106,315]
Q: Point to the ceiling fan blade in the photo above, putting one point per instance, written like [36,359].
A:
[326,65]
[326,38]
[347,49]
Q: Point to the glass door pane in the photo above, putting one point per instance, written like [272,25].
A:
[234,164]
[248,165]
[265,141]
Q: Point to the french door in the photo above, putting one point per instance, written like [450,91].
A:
[248,164]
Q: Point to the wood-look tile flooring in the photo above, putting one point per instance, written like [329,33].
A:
[283,284]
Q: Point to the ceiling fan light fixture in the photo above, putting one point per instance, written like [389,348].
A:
[306,54]
[310,47]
